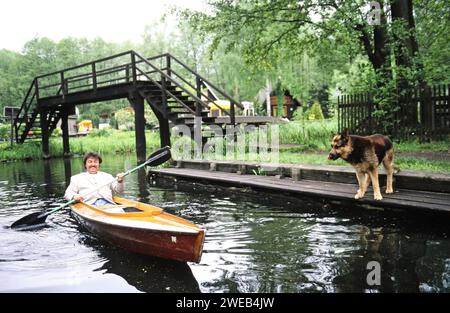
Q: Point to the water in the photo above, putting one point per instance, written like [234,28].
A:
[256,241]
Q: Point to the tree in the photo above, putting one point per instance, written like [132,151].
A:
[268,32]
[10,84]
[433,35]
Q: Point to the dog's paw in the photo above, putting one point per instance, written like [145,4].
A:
[359,195]
[390,190]
[377,197]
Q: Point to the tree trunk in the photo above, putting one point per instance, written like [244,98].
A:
[377,48]
[406,47]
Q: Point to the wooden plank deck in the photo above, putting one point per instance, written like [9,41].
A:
[402,198]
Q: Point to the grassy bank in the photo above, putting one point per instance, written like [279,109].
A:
[308,142]
[311,135]
[103,142]
[320,158]
[303,142]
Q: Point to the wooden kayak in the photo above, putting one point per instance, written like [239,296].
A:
[142,228]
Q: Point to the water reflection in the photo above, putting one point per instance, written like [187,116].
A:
[276,243]
[48,177]
[146,274]
[143,185]
[67,171]
[149,274]
[399,257]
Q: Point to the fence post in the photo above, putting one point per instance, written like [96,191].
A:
[349,112]
[338,114]
[447,122]
[425,108]
[433,108]
[369,109]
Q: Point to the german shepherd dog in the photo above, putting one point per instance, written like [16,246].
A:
[365,154]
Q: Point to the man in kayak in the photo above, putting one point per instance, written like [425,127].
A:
[86,182]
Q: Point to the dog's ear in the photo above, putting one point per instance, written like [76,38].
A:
[344,133]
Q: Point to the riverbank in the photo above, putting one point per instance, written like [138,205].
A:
[103,142]
[433,156]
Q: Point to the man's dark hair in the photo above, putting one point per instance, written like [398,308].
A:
[91,155]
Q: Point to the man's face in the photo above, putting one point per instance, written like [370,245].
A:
[92,165]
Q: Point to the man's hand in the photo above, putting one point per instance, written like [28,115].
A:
[120,177]
[78,198]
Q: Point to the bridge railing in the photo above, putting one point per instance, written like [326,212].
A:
[120,68]
[179,70]
[25,113]
[92,75]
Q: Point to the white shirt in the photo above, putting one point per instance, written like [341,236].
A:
[84,183]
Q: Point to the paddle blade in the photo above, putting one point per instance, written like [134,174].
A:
[30,220]
[159,156]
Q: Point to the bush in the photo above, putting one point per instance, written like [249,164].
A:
[5,131]
[105,132]
[57,132]
[125,119]
[315,112]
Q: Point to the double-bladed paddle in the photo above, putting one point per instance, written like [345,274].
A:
[156,158]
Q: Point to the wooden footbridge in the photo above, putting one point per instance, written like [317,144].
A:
[174,91]
[414,190]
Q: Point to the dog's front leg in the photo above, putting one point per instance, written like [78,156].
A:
[361,176]
[376,186]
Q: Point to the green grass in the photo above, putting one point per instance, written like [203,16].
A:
[309,139]
[422,164]
[308,142]
[404,163]
[414,146]
[30,150]
[115,142]
[312,135]
[109,142]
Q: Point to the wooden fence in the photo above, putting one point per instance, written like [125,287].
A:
[423,113]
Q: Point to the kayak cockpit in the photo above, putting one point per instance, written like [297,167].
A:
[115,208]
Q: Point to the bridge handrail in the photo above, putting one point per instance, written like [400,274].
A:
[25,107]
[203,94]
[86,64]
[208,82]
[166,72]
[173,81]
[161,87]
[199,77]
